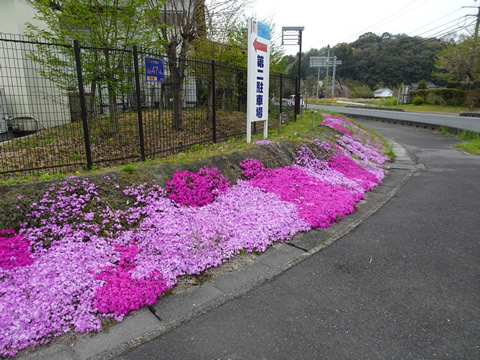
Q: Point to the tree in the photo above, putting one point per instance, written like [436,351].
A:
[226,42]
[460,63]
[108,28]
[189,24]
[184,21]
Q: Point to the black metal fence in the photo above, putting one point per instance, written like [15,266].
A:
[69,106]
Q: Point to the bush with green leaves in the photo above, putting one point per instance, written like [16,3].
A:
[362,91]
[418,100]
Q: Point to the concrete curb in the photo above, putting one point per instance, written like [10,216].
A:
[418,124]
[172,311]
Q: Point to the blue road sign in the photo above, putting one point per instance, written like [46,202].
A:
[154,69]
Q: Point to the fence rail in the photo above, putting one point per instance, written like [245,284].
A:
[68,106]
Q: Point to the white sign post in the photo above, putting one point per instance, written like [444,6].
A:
[258,75]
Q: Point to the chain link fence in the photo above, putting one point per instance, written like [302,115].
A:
[69,106]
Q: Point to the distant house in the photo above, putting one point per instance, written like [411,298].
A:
[384,92]
[430,86]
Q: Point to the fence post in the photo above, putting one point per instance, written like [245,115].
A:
[139,102]
[239,76]
[83,104]
[297,97]
[214,104]
[281,92]
[280,116]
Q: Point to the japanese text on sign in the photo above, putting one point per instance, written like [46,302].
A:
[258,74]
[154,69]
[260,80]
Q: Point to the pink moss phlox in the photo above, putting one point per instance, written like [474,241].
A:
[307,158]
[352,170]
[53,295]
[337,123]
[337,127]
[266,142]
[373,168]
[187,240]
[318,203]
[14,250]
[87,260]
[196,189]
[72,205]
[121,294]
[316,165]
[361,151]
[251,168]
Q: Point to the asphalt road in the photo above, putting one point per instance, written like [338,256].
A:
[460,122]
[403,285]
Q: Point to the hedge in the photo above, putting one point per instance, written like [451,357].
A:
[452,97]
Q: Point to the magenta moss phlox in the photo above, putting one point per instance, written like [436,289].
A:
[196,189]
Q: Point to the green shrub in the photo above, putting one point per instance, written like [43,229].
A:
[422,85]
[130,169]
[434,99]
[451,97]
[472,99]
[362,91]
[47,176]
[418,100]
[390,101]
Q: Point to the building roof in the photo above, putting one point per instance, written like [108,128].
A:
[382,90]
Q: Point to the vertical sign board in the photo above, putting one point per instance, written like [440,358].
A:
[258,75]
[154,69]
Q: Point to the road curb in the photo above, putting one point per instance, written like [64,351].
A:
[412,119]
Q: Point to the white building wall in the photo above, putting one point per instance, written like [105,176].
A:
[14,14]
[32,101]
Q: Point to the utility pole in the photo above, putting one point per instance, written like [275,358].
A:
[326,80]
[478,23]
[318,80]
[333,76]
[324,61]
[292,35]
[297,96]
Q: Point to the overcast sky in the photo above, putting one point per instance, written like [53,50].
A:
[334,21]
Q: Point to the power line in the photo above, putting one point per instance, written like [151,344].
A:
[392,16]
[444,34]
[340,68]
[424,26]
[455,20]
[454,26]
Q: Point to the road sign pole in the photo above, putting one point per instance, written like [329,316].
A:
[333,76]
[326,80]
[297,96]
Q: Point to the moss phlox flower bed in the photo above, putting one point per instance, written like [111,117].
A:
[77,260]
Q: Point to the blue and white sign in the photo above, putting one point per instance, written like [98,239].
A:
[154,69]
[258,74]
